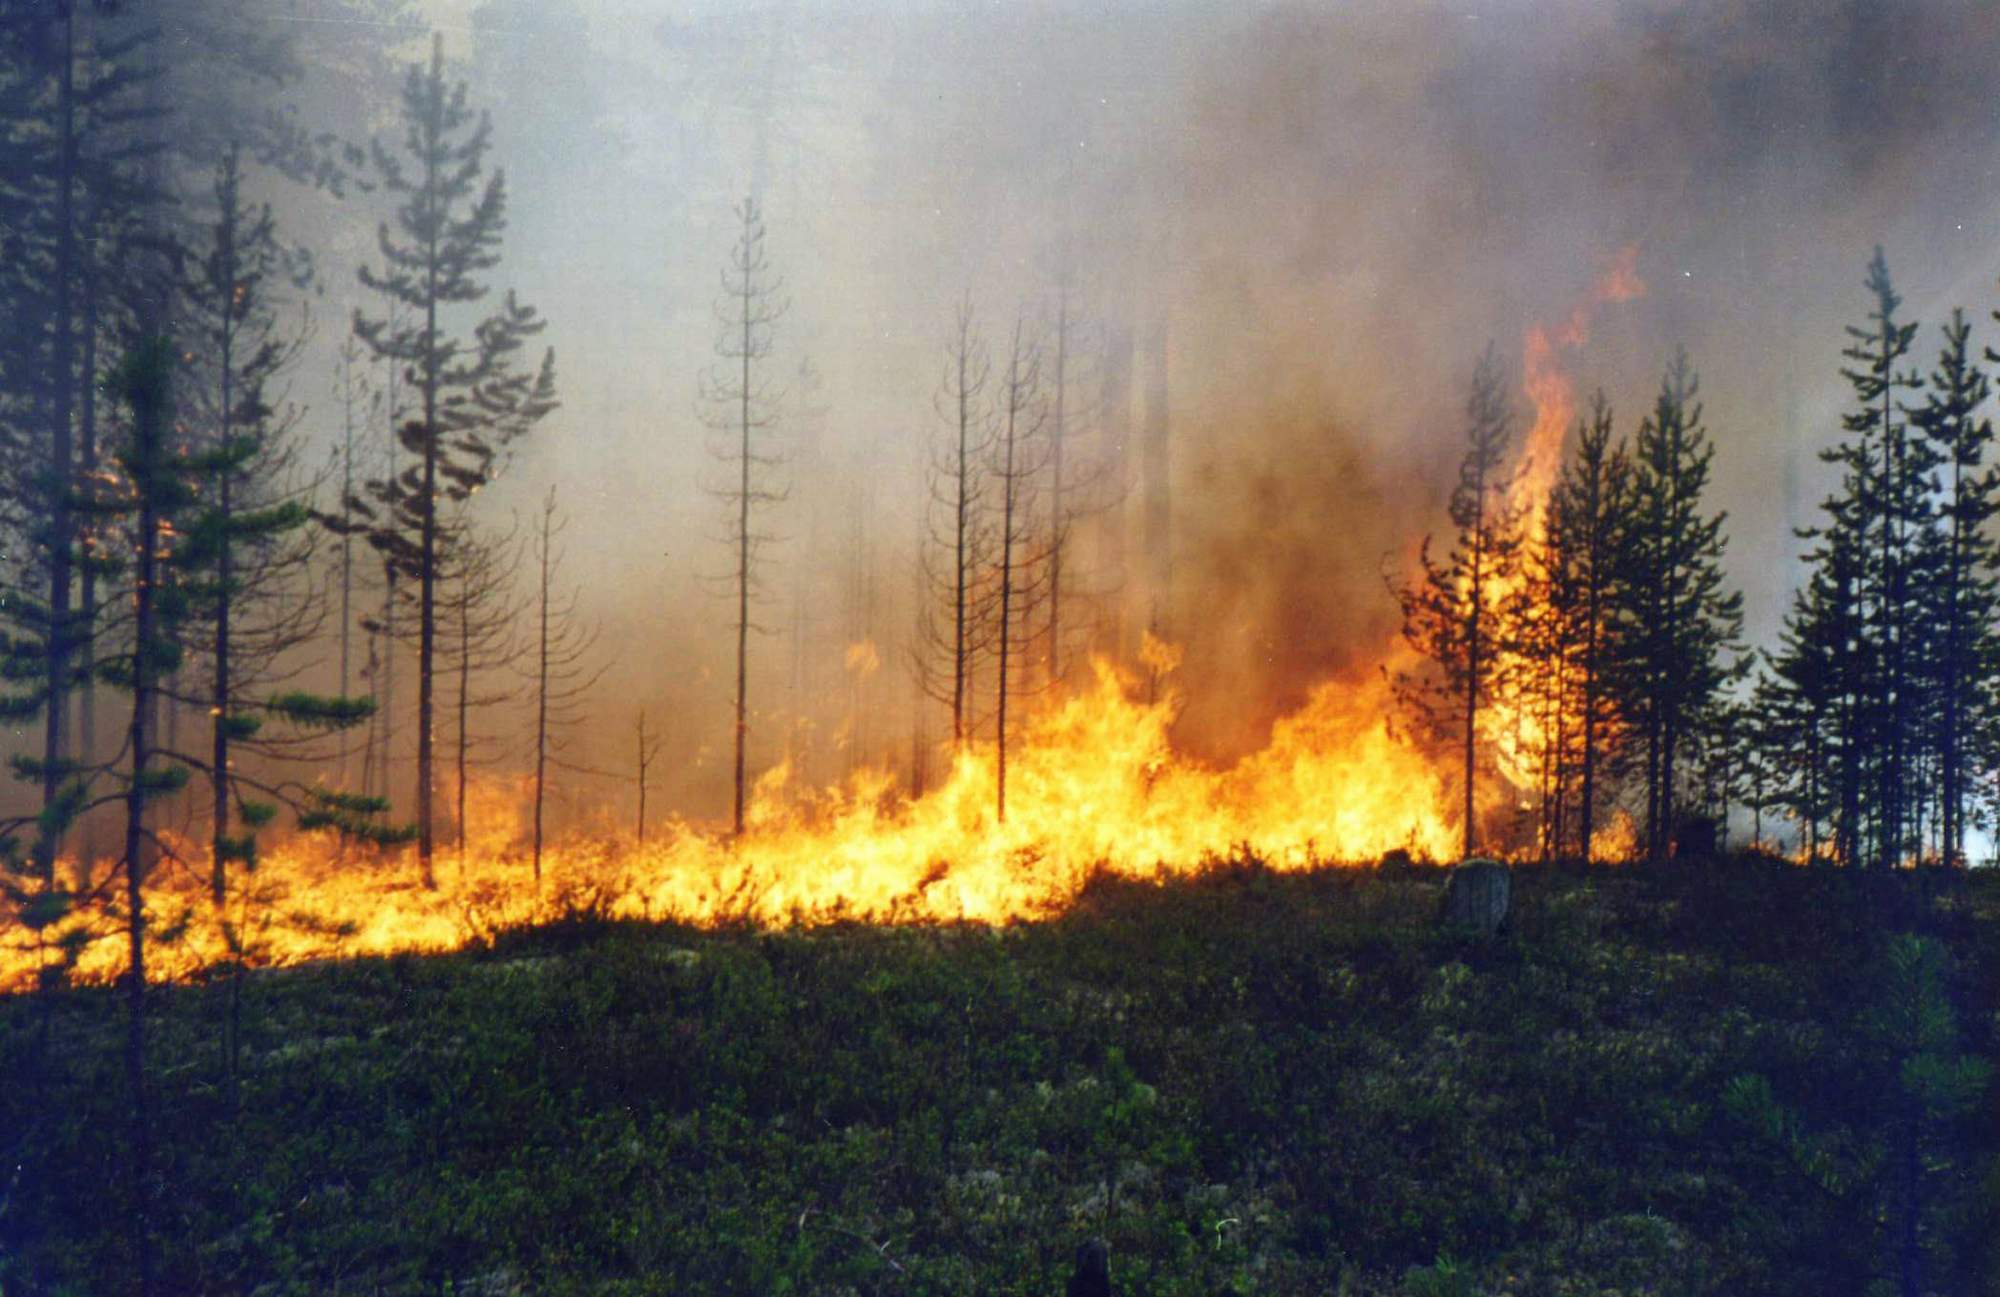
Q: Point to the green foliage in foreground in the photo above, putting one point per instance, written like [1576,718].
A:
[1248,1084]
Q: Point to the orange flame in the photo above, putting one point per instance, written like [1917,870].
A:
[1517,730]
[1093,782]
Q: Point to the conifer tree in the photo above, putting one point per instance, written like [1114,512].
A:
[1593,495]
[1887,478]
[242,550]
[1451,614]
[1019,454]
[478,617]
[951,634]
[473,399]
[1676,621]
[1962,594]
[741,406]
[562,673]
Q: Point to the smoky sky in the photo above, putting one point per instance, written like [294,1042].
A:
[1333,208]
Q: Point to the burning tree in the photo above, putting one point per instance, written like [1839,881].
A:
[1452,616]
[473,399]
[741,407]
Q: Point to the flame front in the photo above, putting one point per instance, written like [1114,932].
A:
[1093,783]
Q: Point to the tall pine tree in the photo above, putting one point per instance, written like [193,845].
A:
[473,397]
[1962,593]
[1676,620]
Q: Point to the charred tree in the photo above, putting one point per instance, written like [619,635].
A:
[563,675]
[951,636]
[648,750]
[740,406]
[478,617]
[1019,456]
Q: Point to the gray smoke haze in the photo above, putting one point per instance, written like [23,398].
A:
[1334,211]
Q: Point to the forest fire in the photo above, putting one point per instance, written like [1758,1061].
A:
[1096,783]
[1519,731]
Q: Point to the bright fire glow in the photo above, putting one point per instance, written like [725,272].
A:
[1094,781]
[1517,728]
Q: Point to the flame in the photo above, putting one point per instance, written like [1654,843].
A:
[1550,390]
[1094,783]
[1517,730]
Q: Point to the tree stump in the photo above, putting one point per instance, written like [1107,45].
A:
[1477,897]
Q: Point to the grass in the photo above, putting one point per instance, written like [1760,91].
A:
[1250,1083]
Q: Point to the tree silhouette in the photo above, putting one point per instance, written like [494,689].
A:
[1451,614]
[1676,620]
[1963,591]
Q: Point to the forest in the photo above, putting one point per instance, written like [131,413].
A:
[709,648]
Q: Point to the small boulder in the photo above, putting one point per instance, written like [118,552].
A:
[1477,897]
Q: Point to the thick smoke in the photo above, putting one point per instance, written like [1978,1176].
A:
[1334,211]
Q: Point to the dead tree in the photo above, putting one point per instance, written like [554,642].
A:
[479,614]
[648,750]
[740,407]
[563,674]
[1020,454]
[950,634]
[1083,480]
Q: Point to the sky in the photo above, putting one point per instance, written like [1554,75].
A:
[1331,210]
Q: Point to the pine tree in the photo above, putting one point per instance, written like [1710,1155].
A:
[1675,619]
[1593,495]
[1888,477]
[242,546]
[1451,615]
[474,400]
[951,635]
[1019,454]
[1962,597]
[478,617]
[562,671]
[742,407]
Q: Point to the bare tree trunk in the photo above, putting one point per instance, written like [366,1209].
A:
[743,559]
[62,468]
[150,436]
[542,695]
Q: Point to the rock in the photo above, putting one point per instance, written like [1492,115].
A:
[1092,1277]
[1477,897]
